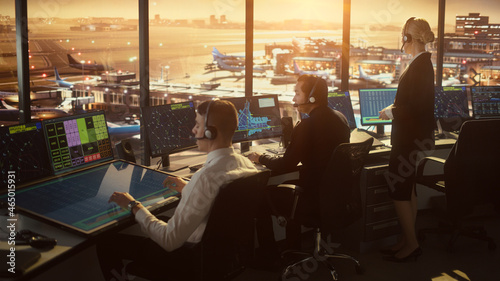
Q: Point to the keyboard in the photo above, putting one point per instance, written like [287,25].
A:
[279,151]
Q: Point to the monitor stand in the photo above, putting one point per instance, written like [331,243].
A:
[379,131]
[245,147]
[169,167]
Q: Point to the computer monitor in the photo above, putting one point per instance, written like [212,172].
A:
[78,201]
[450,102]
[371,101]
[340,101]
[168,128]
[258,118]
[485,102]
[23,155]
[77,141]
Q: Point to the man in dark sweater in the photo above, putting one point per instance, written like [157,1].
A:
[312,144]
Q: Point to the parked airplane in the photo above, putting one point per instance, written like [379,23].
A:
[233,68]
[124,131]
[217,54]
[383,78]
[60,81]
[232,63]
[84,66]
[34,96]
[320,73]
[10,113]
[453,81]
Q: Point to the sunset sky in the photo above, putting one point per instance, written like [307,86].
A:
[364,12]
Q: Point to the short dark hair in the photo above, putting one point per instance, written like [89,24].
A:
[320,92]
[222,116]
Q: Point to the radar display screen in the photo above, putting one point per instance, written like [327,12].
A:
[77,141]
[169,127]
[485,102]
[450,102]
[258,118]
[23,154]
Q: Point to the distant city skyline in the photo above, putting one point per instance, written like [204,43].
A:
[374,12]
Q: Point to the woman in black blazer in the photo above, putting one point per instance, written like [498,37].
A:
[412,132]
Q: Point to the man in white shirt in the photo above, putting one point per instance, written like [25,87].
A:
[216,122]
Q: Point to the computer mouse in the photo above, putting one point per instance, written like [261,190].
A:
[41,242]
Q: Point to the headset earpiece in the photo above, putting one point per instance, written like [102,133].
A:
[210,131]
[407,38]
[311,98]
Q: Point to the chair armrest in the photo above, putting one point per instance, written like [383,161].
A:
[421,164]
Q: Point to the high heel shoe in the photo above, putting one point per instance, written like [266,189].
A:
[411,257]
[388,252]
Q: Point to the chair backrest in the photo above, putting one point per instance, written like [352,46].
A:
[339,193]
[228,240]
[472,167]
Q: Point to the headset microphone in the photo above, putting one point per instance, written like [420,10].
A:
[406,36]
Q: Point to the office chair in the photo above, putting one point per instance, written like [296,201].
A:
[227,245]
[339,206]
[124,150]
[469,179]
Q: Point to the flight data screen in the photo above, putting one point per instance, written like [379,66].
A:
[258,118]
[371,101]
[485,102]
[169,127]
[23,154]
[79,201]
[450,102]
[77,141]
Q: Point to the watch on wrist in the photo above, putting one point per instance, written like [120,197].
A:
[132,204]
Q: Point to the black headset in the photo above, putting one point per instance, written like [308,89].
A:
[311,98]
[210,131]
[406,36]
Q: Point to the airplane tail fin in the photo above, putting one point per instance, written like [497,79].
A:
[216,54]
[296,68]
[72,60]
[56,73]
[362,73]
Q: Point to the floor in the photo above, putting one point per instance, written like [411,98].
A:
[471,260]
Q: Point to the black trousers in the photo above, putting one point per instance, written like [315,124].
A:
[115,251]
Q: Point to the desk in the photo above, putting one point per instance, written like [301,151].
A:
[70,244]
